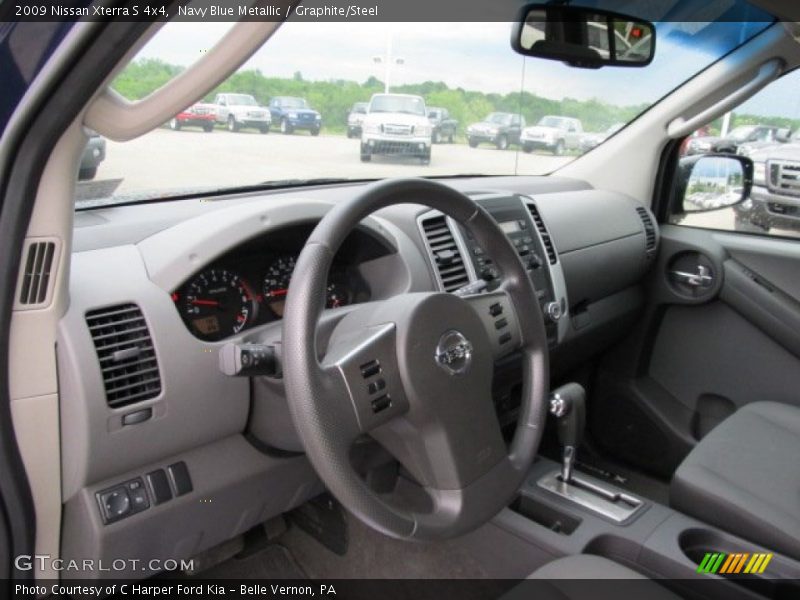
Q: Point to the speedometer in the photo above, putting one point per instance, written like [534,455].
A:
[276,283]
[217,303]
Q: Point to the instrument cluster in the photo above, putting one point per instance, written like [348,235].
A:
[248,287]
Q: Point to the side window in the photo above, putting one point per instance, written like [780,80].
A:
[709,191]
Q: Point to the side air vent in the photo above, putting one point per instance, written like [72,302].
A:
[544,234]
[446,257]
[126,354]
[649,229]
[35,282]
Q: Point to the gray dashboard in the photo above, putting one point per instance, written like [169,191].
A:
[139,255]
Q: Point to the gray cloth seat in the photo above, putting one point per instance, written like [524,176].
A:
[744,477]
[566,579]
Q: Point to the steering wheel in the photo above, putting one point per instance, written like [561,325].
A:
[415,373]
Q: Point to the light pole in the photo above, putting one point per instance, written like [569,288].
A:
[388,61]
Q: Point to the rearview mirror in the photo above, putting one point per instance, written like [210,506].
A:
[712,182]
[584,37]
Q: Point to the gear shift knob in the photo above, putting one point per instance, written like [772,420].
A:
[568,405]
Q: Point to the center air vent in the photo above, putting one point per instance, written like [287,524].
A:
[649,229]
[447,259]
[127,358]
[544,234]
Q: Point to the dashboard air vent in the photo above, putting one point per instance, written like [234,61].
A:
[649,228]
[446,257]
[544,234]
[36,278]
[125,350]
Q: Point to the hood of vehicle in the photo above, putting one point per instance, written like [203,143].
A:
[777,151]
[301,111]
[248,108]
[485,126]
[200,108]
[541,131]
[384,118]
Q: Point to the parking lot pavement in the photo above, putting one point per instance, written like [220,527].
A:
[165,159]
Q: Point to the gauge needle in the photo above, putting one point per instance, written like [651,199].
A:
[277,293]
[206,302]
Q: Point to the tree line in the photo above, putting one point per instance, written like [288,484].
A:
[334,98]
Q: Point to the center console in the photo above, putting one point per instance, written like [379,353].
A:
[520,219]
[565,513]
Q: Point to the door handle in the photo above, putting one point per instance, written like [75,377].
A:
[702,278]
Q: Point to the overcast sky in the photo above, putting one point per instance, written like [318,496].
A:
[474,56]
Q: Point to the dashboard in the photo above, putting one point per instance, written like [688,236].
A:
[157,291]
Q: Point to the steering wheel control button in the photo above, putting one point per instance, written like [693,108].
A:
[376,386]
[505,338]
[381,403]
[500,324]
[370,369]
[454,352]
[115,504]
[181,481]
[159,485]
[496,309]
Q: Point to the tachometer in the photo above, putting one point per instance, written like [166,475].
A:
[276,283]
[217,304]
[338,294]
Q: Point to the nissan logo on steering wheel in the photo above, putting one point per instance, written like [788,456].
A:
[454,352]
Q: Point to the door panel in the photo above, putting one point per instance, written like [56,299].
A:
[703,351]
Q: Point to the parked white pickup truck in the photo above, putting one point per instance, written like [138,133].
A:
[397,125]
[241,110]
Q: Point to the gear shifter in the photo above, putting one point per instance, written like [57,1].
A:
[568,405]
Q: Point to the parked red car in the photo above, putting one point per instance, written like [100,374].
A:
[198,115]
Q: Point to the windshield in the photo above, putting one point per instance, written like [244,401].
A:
[498,118]
[551,122]
[292,103]
[471,72]
[409,105]
[241,100]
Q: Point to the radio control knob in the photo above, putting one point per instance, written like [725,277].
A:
[552,311]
